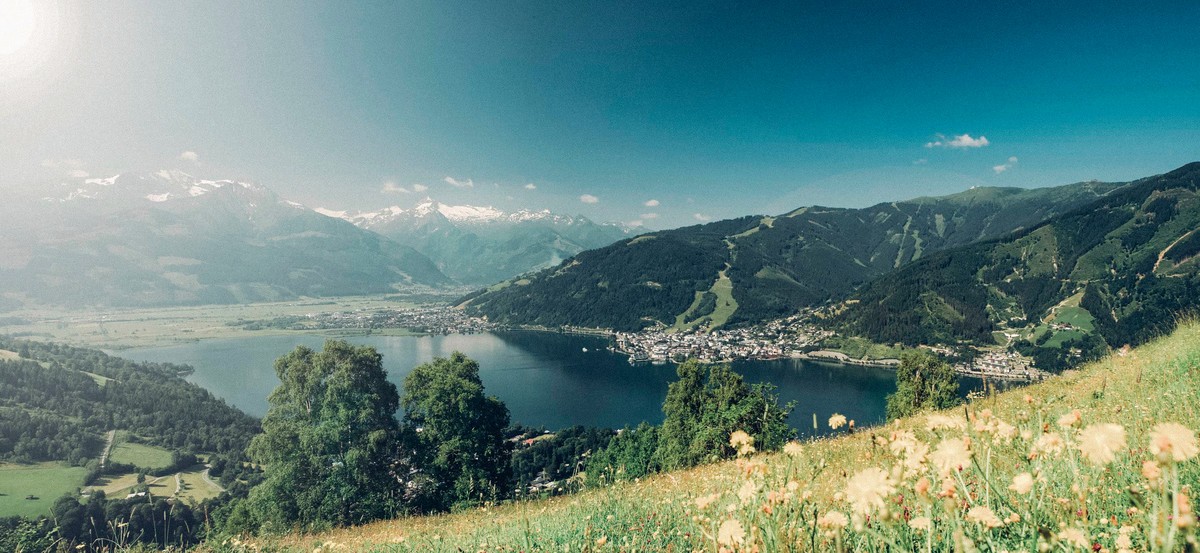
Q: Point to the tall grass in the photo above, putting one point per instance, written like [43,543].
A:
[1101,459]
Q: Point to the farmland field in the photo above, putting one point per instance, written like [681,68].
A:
[139,455]
[45,481]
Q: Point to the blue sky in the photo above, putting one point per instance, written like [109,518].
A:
[712,109]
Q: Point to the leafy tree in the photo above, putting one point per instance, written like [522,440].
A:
[630,454]
[328,441]
[706,405]
[459,432]
[922,382]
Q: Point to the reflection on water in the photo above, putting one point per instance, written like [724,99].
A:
[545,379]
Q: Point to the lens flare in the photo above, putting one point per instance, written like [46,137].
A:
[17,23]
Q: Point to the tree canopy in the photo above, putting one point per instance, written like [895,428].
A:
[328,440]
[922,382]
[459,432]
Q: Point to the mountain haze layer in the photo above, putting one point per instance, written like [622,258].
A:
[757,268]
[169,238]
[483,245]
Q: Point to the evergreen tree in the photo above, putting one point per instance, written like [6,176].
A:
[922,382]
[459,432]
[328,440]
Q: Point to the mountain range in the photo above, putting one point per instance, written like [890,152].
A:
[169,238]
[757,268]
[483,245]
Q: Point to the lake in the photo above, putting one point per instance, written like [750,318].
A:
[546,379]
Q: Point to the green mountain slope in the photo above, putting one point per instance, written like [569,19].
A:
[1124,265]
[757,268]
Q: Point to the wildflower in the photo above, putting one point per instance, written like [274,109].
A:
[742,442]
[731,533]
[951,455]
[1047,444]
[938,421]
[703,502]
[748,491]
[1075,537]
[1173,441]
[1151,471]
[1070,419]
[1022,483]
[833,520]
[919,523]
[866,490]
[837,421]
[1099,443]
[984,516]
[1124,543]
[603,540]
[793,448]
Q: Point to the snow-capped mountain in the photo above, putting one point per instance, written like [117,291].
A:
[171,238]
[482,244]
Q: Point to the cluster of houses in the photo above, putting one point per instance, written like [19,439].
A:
[781,338]
[431,320]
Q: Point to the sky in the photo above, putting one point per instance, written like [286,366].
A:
[661,113]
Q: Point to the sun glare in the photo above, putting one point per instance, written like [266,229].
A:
[17,22]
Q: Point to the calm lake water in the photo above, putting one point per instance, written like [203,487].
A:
[545,379]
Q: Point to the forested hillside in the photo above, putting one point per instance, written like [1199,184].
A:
[757,268]
[57,402]
[1125,265]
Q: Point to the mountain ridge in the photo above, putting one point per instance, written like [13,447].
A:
[756,268]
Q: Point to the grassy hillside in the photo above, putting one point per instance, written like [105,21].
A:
[1077,462]
[767,267]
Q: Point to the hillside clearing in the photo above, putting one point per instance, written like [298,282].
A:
[44,481]
[774,499]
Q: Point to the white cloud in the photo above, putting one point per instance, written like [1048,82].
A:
[420,187]
[634,223]
[459,183]
[958,141]
[390,187]
[921,161]
[78,173]
[701,217]
[649,216]
[651,203]
[190,156]
[531,186]
[589,199]
[1005,166]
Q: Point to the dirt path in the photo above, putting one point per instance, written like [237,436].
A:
[109,437]
[1163,253]
[210,482]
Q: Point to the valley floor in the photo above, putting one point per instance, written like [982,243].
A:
[1102,458]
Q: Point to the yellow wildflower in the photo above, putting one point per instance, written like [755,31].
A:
[1070,419]
[867,489]
[731,533]
[1075,537]
[951,455]
[837,421]
[703,502]
[793,448]
[1099,443]
[919,523]
[833,520]
[1173,441]
[742,442]
[984,516]
[1022,483]
[1047,444]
